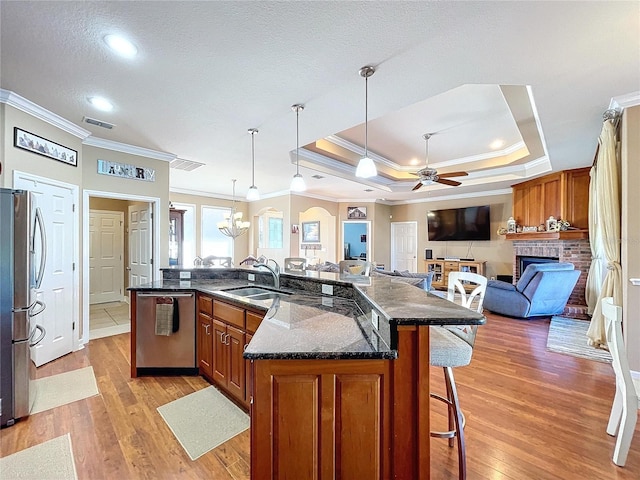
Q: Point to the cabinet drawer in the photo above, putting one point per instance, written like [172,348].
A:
[253,321]
[228,313]
[205,305]
[451,265]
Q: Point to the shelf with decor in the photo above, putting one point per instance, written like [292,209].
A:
[442,268]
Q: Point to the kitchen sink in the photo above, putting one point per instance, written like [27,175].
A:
[255,293]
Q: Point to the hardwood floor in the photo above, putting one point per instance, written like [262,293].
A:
[531,414]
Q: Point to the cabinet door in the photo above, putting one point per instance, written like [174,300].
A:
[236,365]
[205,345]
[220,353]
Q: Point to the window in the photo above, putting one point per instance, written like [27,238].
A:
[270,229]
[215,242]
[189,239]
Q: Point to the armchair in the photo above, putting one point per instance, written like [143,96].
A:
[543,290]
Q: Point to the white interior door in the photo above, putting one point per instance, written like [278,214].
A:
[404,250]
[140,261]
[106,264]
[56,291]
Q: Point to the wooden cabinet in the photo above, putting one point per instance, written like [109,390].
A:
[321,419]
[204,335]
[563,194]
[442,268]
[224,331]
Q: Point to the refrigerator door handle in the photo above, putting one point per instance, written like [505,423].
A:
[39,303]
[39,339]
[43,237]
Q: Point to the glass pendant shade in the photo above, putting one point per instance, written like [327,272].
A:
[366,168]
[297,183]
[253,193]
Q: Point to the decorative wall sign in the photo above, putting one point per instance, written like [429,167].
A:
[356,213]
[35,144]
[124,170]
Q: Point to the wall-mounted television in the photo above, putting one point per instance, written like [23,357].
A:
[464,224]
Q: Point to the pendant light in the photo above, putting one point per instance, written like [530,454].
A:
[297,183]
[253,193]
[232,225]
[366,167]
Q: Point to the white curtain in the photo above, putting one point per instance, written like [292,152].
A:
[608,221]
[597,270]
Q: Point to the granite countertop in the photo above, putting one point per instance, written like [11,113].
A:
[303,324]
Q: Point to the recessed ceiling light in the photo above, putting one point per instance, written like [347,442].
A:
[121,46]
[101,103]
[496,144]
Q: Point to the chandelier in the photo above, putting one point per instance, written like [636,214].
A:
[232,225]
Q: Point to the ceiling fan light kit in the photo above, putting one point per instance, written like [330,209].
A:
[366,168]
[429,176]
[253,193]
[297,182]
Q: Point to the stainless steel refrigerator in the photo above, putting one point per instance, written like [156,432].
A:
[22,266]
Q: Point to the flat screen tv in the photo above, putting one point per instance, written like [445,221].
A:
[464,224]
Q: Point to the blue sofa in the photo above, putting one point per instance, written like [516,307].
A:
[543,290]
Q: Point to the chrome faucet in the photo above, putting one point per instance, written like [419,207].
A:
[197,261]
[275,271]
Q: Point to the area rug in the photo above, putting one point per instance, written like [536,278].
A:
[50,460]
[203,420]
[569,336]
[64,388]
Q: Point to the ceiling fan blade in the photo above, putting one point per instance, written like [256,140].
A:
[444,181]
[453,174]
[418,185]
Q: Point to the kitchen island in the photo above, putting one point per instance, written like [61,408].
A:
[338,385]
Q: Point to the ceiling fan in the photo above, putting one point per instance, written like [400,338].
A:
[430,175]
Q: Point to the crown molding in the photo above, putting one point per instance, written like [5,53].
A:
[488,193]
[341,142]
[27,106]
[130,149]
[625,101]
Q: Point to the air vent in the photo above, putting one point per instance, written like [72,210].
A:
[368,190]
[181,164]
[318,177]
[98,123]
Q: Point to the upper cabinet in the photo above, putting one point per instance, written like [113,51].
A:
[565,195]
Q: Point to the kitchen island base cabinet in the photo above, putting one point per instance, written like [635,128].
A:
[321,419]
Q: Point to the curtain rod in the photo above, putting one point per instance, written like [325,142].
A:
[614,115]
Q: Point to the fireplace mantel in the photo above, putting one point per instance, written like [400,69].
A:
[562,235]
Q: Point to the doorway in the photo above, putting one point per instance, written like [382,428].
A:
[356,240]
[139,247]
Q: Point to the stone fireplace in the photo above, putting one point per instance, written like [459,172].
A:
[576,251]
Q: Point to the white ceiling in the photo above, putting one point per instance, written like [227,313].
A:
[537,75]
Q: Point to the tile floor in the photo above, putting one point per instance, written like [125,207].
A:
[106,319]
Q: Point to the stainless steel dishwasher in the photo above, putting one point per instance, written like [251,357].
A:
[166,333]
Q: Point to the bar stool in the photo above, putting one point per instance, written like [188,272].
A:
[626,402]
[452,347]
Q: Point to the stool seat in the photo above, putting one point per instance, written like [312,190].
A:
[447,349]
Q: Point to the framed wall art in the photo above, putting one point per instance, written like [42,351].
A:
[36,144]
[356,213]
[311,232]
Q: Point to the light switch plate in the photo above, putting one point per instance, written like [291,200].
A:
[185,275]
[185,283]
[251,277]
[375,319]
[327,289]
[327,302]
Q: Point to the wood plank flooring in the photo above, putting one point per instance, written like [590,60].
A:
[531,414]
